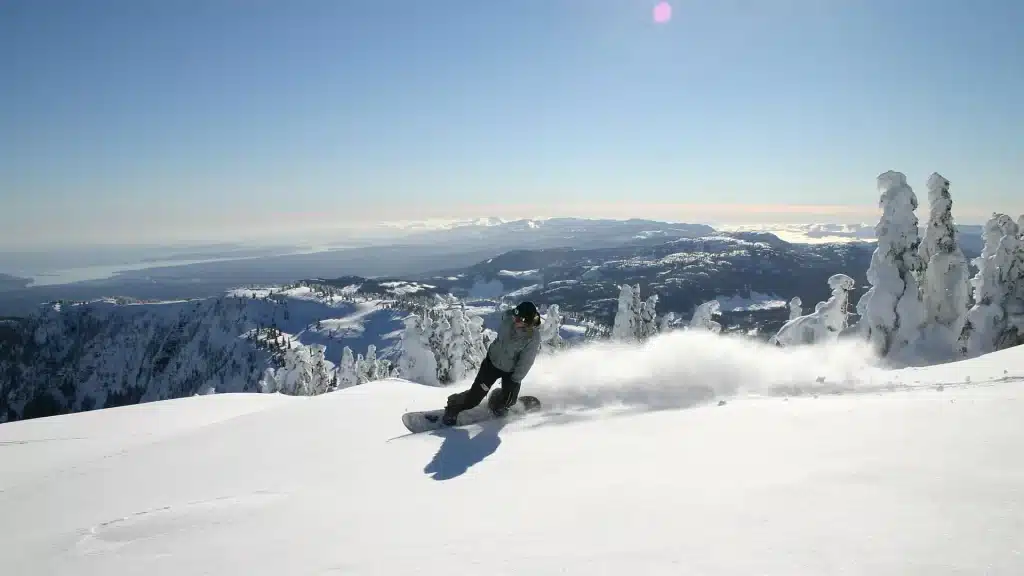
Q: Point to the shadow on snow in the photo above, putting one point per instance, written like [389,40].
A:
[459,450]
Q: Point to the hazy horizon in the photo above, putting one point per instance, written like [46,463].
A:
[793,229]
[155,123]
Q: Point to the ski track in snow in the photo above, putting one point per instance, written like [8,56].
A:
[151,532]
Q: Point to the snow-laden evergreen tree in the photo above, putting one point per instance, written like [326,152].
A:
[703,317]
[892,312]
[647,318]
[323,372]
[550,338]
[987,327]
[636,320]
[795,310]
[417,361]
[825,323]
[457,346]
[451,347]
[478,340]
[440,339]
[667,321]
[1015,303]
[347,375]
[624,326]
[371,370]
[636,306]
[945,286]
[298,375]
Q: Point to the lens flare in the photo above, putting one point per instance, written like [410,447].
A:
[662,12]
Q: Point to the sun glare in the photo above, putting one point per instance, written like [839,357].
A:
[662,12]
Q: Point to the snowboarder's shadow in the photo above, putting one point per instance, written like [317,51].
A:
[460,450]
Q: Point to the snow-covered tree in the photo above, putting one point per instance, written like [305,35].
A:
[647,325]
[322,372]
[795,310]
[703,317]
[995,285]
[367,365]
[667,322]
[417,361]
[945,287]
[891,311]
[825,323]
[624,326]
[550,338]
[303,372]
[635,320]
[445,349]
[478,340]
[1015,305]
[346,372]
[457,346]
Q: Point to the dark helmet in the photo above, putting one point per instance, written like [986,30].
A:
[527,312]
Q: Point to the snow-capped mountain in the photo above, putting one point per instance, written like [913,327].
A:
[968,235]
[694,453]
[10,282]
[556,232]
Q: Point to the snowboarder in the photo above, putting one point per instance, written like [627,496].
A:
[509,358]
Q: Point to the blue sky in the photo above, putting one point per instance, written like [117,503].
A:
[147,120]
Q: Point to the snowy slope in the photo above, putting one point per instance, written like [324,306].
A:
[635,468]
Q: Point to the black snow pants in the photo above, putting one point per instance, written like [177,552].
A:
[500,401]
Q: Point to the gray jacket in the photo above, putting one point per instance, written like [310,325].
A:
[515,349]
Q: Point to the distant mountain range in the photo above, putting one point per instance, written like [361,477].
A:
[9,282]
[403,253]
[746,271]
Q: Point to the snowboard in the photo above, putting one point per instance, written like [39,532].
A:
[427,420]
